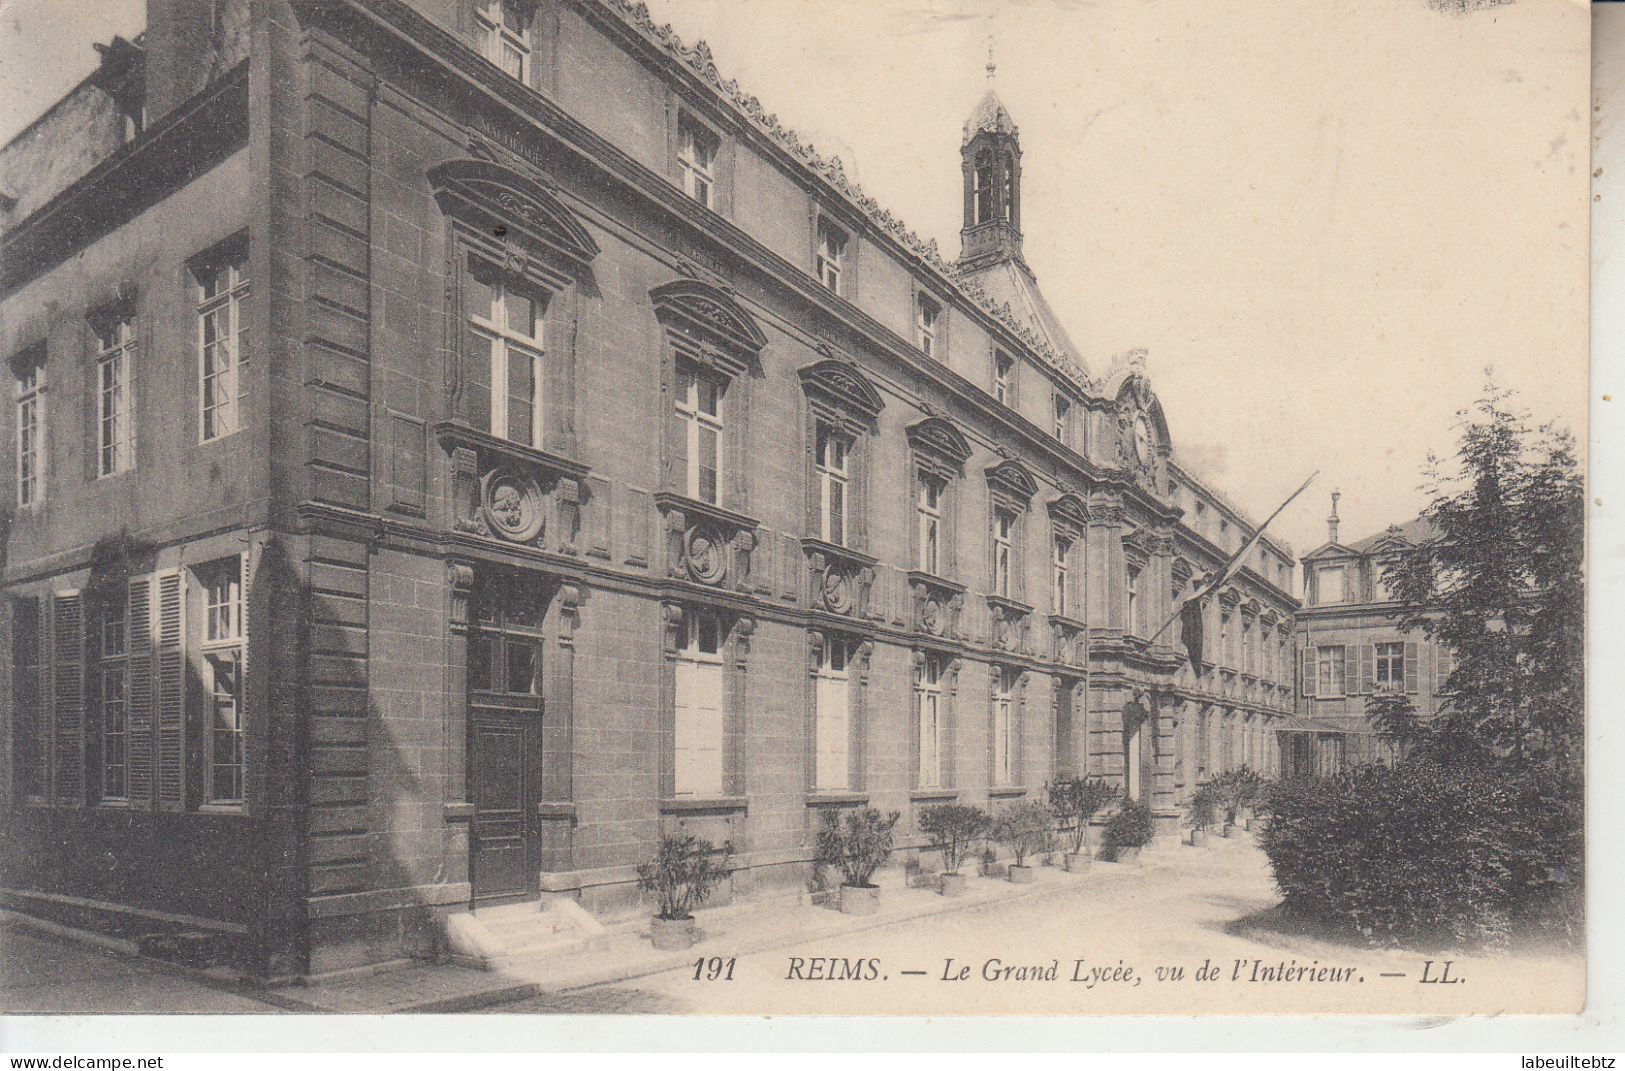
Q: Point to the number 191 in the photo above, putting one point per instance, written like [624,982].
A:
[715,969]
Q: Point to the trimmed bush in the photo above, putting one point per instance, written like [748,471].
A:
[1429,851]
[858,846]
[953,827]
[1131,826]
[1024,828]
[1075,801]
[682,874]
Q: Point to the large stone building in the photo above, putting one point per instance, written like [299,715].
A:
[1353,648]
[452,442]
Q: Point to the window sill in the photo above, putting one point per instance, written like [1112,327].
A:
[1006,791]
[836,799]
[920,576]
[457,433]
[930,795]
[837,550]
[458,811]
[556,809]
[703,804]
[237,810]
[1006,603]
[670,500]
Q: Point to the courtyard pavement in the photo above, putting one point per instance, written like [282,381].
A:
[1110,928]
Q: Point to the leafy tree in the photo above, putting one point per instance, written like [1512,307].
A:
[1395,720]
[1501,584]
[1076,800]
[953,827]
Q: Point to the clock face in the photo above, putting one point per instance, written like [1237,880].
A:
[1142,439]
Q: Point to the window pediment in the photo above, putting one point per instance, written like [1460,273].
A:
[842,388]
[708,318]
[1069,513]
[935,440]
[496,199]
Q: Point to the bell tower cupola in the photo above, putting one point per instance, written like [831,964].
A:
[990,158]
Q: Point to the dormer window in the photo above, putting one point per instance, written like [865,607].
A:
[697,157]
[927,314]
[1331,585]
[1004,372]
[1063,416]
[831,255]
[133,116]
[504,27]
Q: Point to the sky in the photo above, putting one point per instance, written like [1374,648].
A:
[1323,220]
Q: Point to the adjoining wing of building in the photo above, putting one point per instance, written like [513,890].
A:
[1353,648]
[453,442]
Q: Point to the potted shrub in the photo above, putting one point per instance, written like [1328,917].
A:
[857,847]
[1128,830]
[681,876]
[1200,811]
[1076,800]
[1252,788]
[1024,828]
[953,827]
[1227,789]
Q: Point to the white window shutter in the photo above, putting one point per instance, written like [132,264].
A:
[170,626]
[833,771]
[68,697]
[139,736]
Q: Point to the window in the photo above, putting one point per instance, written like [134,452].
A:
[697,157]
[699,408]
[1063,416]
[504,646]
[1380,591]
[1004,369]
[928,506]
[509,322]
[929,713]
[831,463]
[1390,667]
[833,730]
[1329,672]
[982,189]
[1227,639]
[1249,662]
[698,766]
[222,670]
[927,313]
[504,29]
[1331,585]
[115,418]
[1004,531]
[1006,733]
[221,288]
[1060,574]
[1135,625]
[30,373]
[111,683]
[1448,663]
[26,723]
[831,255]
[133,119]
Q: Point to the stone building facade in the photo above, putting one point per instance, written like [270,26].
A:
[1352,648]
[454,441]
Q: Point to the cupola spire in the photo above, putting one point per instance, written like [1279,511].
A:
[990,160]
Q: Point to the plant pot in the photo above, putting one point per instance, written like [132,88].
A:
[954,884]
[1126,854]
[1022,875]
[1076,862]
[672,935]
[860,899]
[1198,838]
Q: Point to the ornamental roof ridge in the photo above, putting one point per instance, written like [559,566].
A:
[698,59]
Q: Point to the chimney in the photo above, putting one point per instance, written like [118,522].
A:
[1331,522]
[180,52]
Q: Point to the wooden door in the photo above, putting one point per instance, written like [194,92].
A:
[503,761]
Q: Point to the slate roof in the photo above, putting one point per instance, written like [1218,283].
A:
[1415,531]
[1009,282]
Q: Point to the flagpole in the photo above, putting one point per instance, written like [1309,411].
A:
[1235,561]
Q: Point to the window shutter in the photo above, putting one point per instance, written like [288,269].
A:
[28,715]
[833,732]
[1309,671]
[1368,669]
[68,697]
[1411,667]
[1351,681]
[139,736]
[171,692]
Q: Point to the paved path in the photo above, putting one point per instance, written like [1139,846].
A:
[1180,911]
[40,973]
